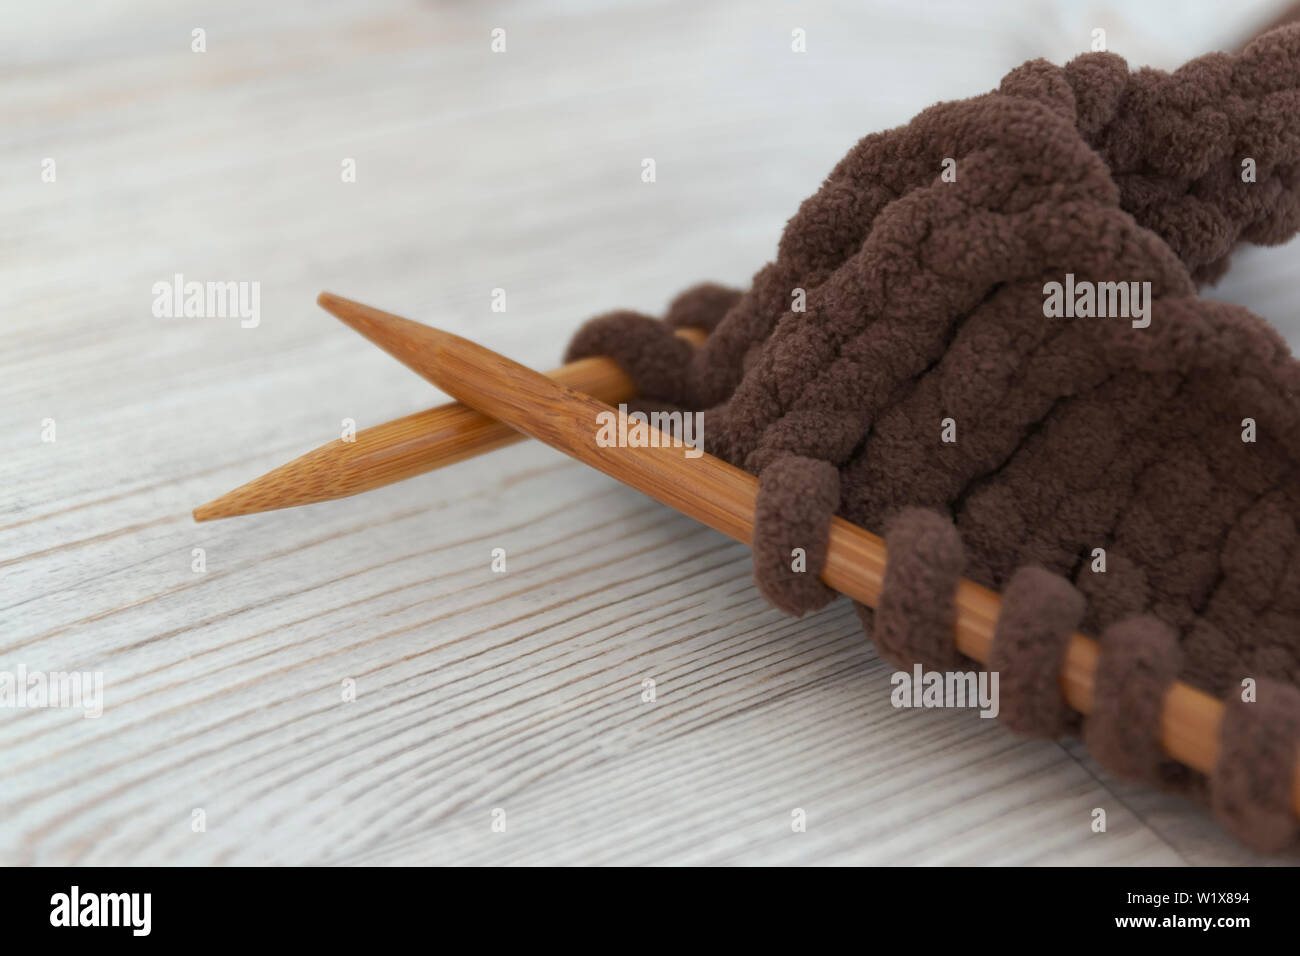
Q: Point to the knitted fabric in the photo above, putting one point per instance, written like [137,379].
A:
[924,320]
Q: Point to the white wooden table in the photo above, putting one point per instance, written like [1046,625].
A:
[475,691]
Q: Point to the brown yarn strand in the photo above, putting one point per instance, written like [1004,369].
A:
[723,497]
[407,446]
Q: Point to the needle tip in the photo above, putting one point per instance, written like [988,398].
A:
[230,505]
[407,341]
[363,318]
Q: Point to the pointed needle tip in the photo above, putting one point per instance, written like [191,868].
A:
[227,506]
[362,318]
[409,342]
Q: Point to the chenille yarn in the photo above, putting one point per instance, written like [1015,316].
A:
[924,301]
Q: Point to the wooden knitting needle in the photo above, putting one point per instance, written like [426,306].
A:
[723,497]
[406,447]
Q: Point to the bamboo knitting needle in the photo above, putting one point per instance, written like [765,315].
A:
[723,497]
[406,447]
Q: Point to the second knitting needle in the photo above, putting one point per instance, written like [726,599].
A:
[406,447]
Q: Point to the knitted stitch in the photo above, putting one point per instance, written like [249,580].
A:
[925,307]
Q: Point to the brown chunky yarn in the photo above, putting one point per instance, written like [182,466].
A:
[924,301]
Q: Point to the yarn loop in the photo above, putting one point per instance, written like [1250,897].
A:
[923,307]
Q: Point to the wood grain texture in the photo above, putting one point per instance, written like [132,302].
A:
[475,690]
